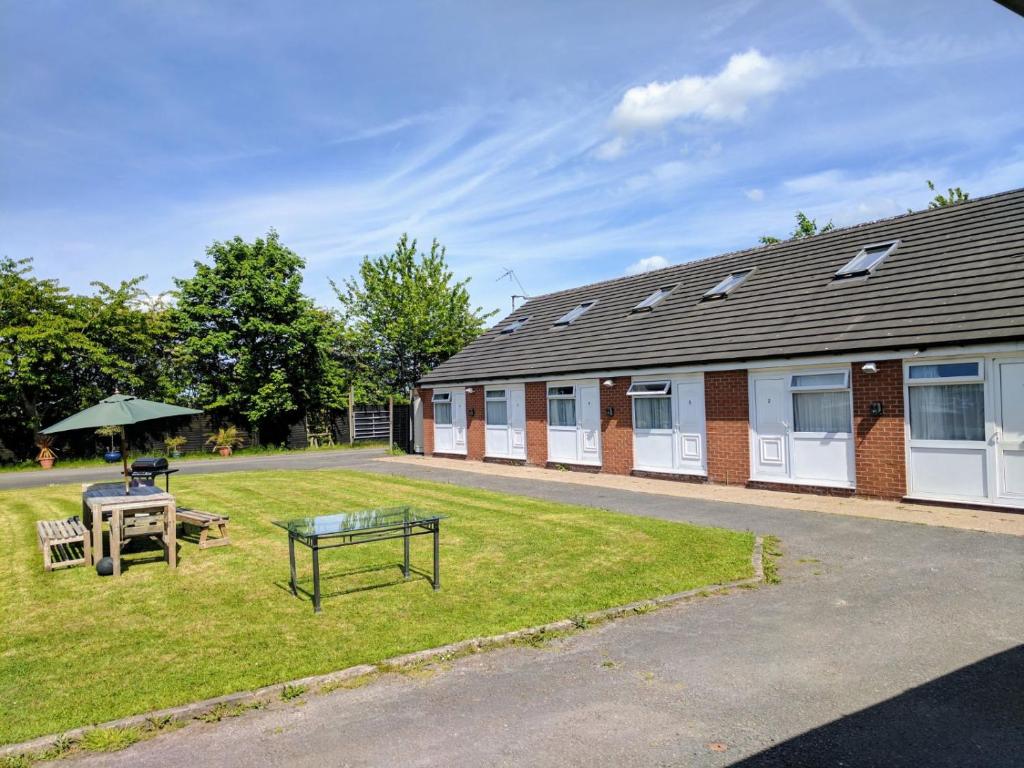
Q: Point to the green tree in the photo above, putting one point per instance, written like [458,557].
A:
[805,227]
[405,314]
[953,196]
[255,349]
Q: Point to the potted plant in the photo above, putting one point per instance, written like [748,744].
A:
[113,455]
[225,439]
[173,445]
[46,455]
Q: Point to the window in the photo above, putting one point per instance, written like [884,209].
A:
[821,411]
[728,285]
[443,414]
[496,408]
[640,388]
[442,397]
[515,325]
[838,380]
[867,260]
[575,314]
[562,406]
[652,412]
[947,401]
[648,304]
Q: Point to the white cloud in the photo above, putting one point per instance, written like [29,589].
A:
[648,264]
[755,194]
[725,96]
[611,149]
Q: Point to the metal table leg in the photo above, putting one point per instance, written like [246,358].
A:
[405,541]
[291,561]
[316,576]
[437,548]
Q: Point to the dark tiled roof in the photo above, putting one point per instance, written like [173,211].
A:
[957,277]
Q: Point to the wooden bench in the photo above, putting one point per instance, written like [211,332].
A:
[56,538]
[204,521]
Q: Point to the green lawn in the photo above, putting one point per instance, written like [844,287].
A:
[78,649]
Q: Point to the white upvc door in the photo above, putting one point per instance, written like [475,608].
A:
[689,425]
[588,403]
[771,427]
[505,421]
[574,422]
[459,421]
[517,421]
[1008,436]
[449,420]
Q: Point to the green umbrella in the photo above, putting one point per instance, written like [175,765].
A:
[118,410]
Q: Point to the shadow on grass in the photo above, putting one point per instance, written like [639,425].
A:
[973,716]
[331,582]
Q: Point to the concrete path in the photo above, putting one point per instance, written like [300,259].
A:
[354,458]
[887,644]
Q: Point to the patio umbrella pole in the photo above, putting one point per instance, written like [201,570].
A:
[124,460]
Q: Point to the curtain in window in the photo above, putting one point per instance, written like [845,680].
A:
[443,414]
[497,413]
[947,412]
[562,413]
[821,411]
[652,412]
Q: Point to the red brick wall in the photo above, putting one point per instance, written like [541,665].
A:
[428,421]
[536,423]
[616,430]
[879,440]
[475,423]
[728,419]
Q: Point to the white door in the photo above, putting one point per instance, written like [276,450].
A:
[459,421]
[771,427]
[589,403]
[517,421]
[688,399]
[1009,434]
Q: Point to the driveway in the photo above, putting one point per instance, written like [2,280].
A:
[356,458]
[887,644]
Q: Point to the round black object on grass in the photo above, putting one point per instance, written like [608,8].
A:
[105,567]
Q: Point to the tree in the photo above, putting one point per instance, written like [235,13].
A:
[405,314]
[254,348]
[805,227]
[953,196]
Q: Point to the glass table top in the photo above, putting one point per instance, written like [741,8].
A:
[104,490]
[363,520]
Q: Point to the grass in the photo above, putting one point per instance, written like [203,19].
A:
[77,649]
[30,465]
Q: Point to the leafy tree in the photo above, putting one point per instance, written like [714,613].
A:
[805,227]
[953,196]
[406,314]
[254,348]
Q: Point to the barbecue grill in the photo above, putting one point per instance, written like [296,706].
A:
[144,471]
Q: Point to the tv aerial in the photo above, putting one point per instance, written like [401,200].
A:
[510,275]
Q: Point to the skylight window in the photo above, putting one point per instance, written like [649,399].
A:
[649,388]
[575,313]
[515,325]
[648,304]
[728,285]
[867,260]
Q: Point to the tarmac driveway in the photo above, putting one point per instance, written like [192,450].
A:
[887,644]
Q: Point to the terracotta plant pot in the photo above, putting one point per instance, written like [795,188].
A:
[47,463]
[224,450]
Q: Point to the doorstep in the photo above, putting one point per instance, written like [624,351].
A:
[990,521]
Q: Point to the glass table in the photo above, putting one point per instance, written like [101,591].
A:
[345,529]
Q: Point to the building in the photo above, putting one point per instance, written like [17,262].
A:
[884,360]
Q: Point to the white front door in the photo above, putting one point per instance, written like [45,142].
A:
[517,421]
[459,421]
[771,427]
[688,400]
[1009,433]
[588,401]
[505,421]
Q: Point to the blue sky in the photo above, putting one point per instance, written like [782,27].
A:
[571,142]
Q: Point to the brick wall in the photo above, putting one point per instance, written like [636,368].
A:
[475,423]
[726,407]
[617,429]
[879,440]
[428,421]
[536,423]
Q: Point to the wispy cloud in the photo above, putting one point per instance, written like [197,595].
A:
[648,264]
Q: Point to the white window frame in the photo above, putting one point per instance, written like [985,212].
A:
[441,397]
[576,312]
[562,396]
[648,304]
[665,391]
[818,387]
[931,380]
[798,388]
[501,398]
[729,283]
[845,272]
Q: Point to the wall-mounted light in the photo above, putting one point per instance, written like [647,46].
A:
[469,390]
[608,383]
[870,368]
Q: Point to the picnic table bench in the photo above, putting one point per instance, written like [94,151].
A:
[56,537]
[204,521]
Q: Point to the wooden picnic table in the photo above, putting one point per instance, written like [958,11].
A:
[109,501]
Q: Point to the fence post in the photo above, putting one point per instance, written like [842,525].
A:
[352,415]
[391,423]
